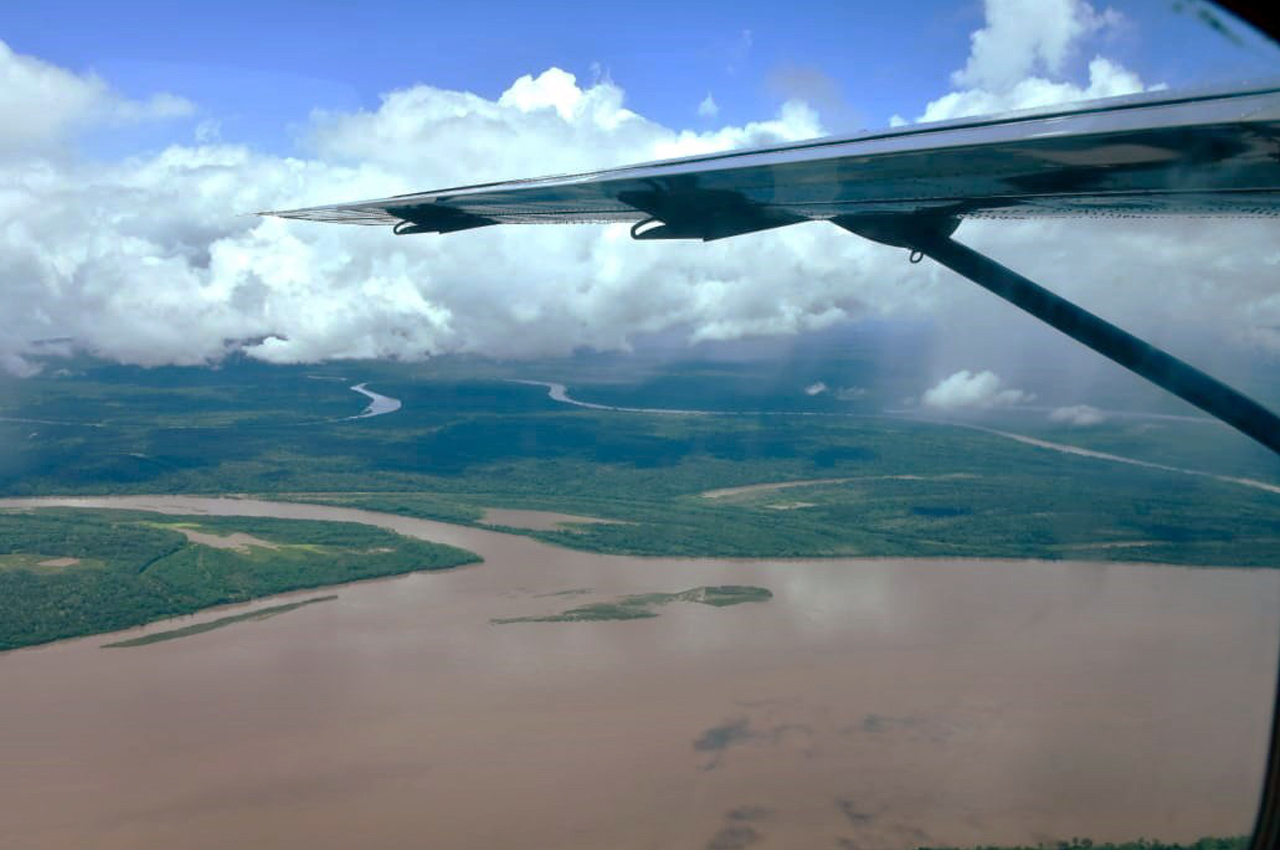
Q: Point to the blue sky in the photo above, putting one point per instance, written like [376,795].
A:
[260,67]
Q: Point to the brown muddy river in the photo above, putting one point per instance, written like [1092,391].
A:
[869,704]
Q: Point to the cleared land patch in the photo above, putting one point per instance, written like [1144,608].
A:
[39,563]
[791,506]
[725,492]
[236,540]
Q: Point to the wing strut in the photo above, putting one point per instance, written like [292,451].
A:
[931,236]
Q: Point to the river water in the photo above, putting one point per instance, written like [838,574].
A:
[879,703]
[379,404]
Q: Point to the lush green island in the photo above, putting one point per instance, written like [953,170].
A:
[108,570]
[641,606]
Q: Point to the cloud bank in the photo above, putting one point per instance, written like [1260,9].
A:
[150,259]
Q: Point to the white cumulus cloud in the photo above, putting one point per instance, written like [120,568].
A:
[41,104]
[967,390]
[152,259]
[1106,79]
[1016,61]
[1026,37]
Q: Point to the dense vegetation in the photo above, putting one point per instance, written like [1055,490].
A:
[142,569]
[641,606]
[985,499]
[467,439]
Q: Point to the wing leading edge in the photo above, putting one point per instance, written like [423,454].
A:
[1205,153]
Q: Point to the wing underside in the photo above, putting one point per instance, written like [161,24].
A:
[1154,154]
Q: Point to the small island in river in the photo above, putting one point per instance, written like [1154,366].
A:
[640,606]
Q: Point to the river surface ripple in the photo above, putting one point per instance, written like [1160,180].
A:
[886,703]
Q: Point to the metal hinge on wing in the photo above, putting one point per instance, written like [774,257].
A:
[435,218]
[706,214]
[903,230]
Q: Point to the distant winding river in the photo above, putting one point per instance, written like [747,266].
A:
[378,404]
[558,392]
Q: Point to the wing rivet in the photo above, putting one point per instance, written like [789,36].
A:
[916,256]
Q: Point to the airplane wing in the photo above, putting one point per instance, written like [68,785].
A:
[1200,153]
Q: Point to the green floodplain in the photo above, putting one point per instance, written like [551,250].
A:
[467,438]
